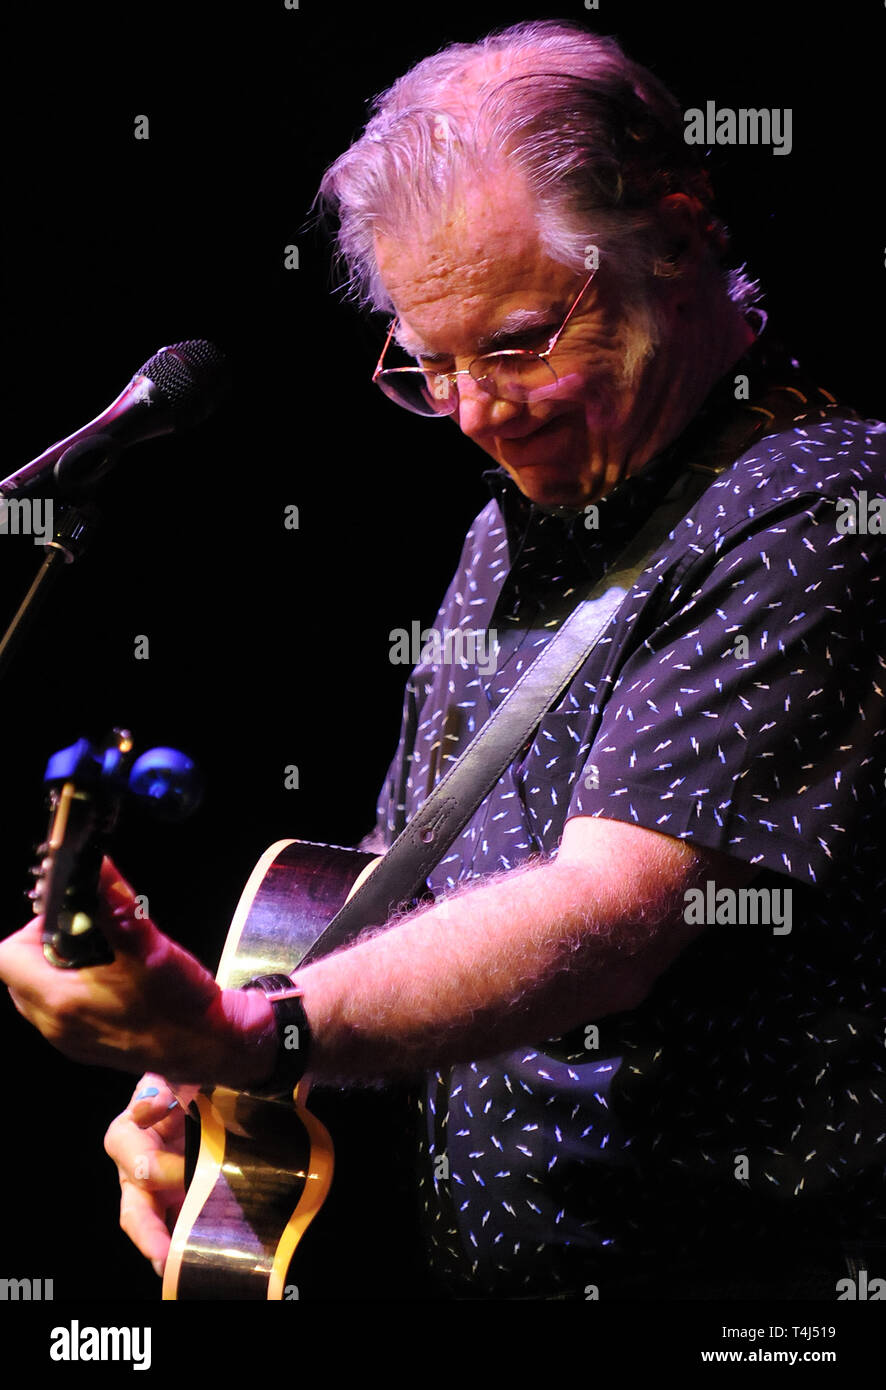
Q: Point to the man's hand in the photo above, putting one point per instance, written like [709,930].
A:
[153,1008]
[147,1144]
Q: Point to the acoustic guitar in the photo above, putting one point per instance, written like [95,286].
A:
[264,1167]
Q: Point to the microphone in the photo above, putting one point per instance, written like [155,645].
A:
[176,388]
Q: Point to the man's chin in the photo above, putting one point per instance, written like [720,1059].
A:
[547,486]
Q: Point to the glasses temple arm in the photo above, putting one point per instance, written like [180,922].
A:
[551,345]
[381,359]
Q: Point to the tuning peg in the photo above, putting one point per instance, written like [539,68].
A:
[168,781]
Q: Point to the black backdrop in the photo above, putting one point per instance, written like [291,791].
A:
[270,647]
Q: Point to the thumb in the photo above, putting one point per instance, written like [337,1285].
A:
[123,914]
[114,888]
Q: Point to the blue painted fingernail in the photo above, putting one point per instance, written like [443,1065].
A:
[147,1092]
[172,1104]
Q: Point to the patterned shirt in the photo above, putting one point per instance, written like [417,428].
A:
[735,701]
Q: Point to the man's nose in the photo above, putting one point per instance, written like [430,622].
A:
[479,413]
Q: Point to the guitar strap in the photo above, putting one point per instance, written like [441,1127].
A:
[402,873]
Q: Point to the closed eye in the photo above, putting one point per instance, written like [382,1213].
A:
[531,339]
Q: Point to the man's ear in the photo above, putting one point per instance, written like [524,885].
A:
[683,220]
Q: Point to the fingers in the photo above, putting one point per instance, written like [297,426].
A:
[146,1142]
[112,883]
[142,1160]
[142,1157]
[154,1104]
[122,917]
[143,1219]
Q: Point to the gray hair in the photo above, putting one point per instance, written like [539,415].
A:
[598,138]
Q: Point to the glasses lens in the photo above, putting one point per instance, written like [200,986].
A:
[514,375]
[421,392]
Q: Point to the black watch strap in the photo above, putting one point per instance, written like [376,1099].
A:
[293,1036]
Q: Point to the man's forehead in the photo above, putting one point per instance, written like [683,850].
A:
[475,268]
[490,211]
[444,295]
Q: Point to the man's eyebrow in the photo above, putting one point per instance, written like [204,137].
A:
[515,325]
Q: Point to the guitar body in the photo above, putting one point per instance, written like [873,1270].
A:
[264,1166]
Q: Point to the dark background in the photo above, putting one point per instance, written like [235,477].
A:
[270,647]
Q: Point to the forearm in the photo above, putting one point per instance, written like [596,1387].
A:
[521,958]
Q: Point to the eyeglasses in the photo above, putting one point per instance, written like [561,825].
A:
[514,374]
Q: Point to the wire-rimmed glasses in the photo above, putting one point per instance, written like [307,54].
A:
[512,374]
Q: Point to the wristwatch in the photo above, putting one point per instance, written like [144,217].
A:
[293,1036]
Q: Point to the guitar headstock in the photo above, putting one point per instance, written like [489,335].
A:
[87,788]
[86,785]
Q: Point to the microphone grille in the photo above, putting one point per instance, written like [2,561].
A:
[192,376]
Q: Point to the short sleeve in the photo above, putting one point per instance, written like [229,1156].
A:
[751,718]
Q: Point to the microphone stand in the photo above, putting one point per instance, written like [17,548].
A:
[72,533]
[75,518]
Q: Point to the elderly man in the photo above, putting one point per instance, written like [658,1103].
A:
[628,1080]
